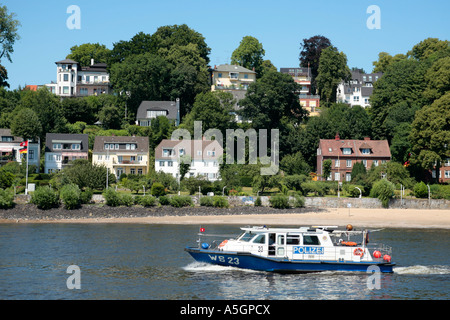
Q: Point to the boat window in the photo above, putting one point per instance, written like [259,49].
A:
[280,239]
[260,239]
[247,236]
[292,239]
[311,240]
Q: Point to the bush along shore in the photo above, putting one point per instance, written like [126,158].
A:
[99,211]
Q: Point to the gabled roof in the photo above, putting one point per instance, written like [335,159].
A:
[334,148]
[67,61]
[51,138]
[232,68]
[169,106]
[141,142]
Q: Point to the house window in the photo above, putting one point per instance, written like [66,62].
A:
[107,146]
[66,77]
[57,146]
[168,152]
[65,90]
[447,174]
[234,75]
[31,155]
[139,158]
[364,163]
[170,163]
[83,91]
[349,163]
[156,113]
[337,163]
[88,79]
[348,177]
[220,75]
[140,172]
[365,151]
[375,163]
[355,98]
[133,158]
[99,157]
[347,151]
[161,163]
[337,176]
[75,146]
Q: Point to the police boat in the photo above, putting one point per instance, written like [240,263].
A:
[296,250]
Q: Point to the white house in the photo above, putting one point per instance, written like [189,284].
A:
[73,80]
[203,155]
[62,148]
[358,90]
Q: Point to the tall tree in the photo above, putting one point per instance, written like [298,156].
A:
[249,54]
[26,125]
[384,60]
[271,98]
[310,50]
[429,49]
[8,32]
[87,51]
[182,35]
[332,70]
[430,133]
[139,44]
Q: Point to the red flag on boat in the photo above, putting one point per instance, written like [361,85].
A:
[202,229]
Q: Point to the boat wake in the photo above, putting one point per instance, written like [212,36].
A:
[418,269]
[206,267]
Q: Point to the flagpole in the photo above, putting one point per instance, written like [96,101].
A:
[26,176]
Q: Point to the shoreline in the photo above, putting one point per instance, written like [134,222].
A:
[392,218]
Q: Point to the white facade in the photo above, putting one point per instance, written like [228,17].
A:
[358,90]
[10,150]
[203,156]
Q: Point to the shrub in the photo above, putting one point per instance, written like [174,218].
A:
[112,198]
[45,198]
[206,201]
[220,202]
[158,190]
[258,202]
[70,196]
[181,201]
[440,191]
[297,201]
[147,201]
[126,199]
[383,190]
[86,195]
[164,200]
[351,191]
[421,190]
[6,199]
[279,201]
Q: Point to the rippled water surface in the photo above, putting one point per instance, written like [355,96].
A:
[135,261]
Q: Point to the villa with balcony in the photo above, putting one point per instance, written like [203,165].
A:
[129,155]
[234,79]
[62,148]
[73,80]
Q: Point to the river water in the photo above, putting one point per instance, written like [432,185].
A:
[139,261]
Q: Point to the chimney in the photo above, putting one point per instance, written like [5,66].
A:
[337,138]
[92,62]
[366,138]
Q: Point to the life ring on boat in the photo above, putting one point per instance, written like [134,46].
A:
[358,252]
[349,243]
[223,243]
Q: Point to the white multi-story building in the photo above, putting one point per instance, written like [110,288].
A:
[204,157]
[358,90]
[73,80]
[62,148]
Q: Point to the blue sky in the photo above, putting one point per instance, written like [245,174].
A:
[279,25]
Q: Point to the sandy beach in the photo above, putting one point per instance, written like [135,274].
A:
[388,218]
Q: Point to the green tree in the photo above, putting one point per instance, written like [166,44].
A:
[87,51]
[26,125]
[429,49]
[332,70]
[271,98]
[139,44]
[8,35]
[438,79]
[249,54]
[294,164]
[430,136]
[384,60]
[326,169]
[213,109]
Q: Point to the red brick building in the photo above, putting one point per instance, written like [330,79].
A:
[345,153]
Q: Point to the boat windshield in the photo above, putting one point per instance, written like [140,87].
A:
[246,236]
